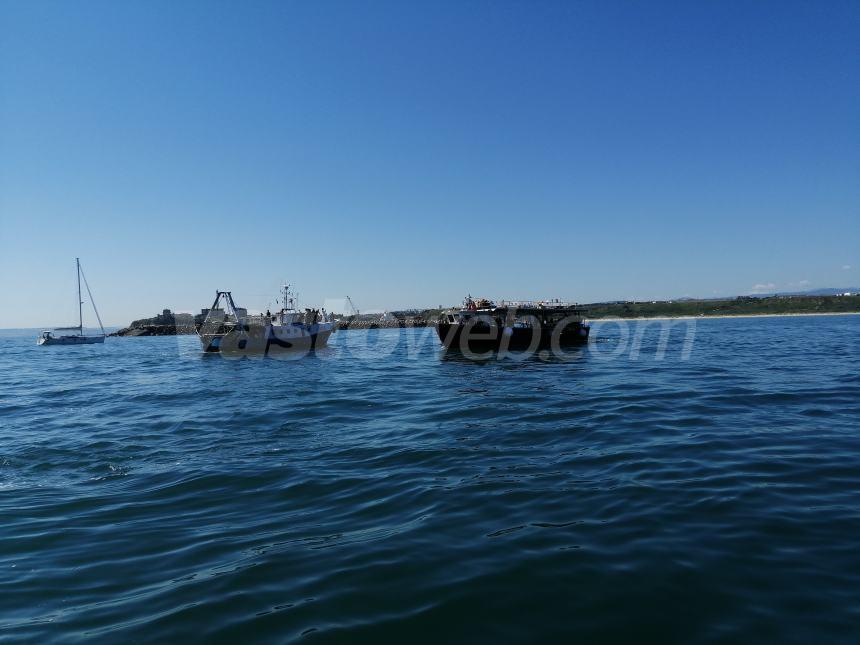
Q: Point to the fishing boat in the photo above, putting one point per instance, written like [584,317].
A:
[481,325]
[227,328]
[47,337]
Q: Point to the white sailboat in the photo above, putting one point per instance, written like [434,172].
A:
[47,337]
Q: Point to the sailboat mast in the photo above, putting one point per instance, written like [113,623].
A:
[80,302]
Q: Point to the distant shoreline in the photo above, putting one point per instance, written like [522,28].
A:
[112,331]
[787,315]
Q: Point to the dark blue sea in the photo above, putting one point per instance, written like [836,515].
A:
[648,487]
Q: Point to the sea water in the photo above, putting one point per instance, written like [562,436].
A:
[647,486]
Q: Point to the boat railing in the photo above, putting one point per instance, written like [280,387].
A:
[537,304]
[289,318]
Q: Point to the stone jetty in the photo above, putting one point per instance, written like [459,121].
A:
[164,324]
[168,323]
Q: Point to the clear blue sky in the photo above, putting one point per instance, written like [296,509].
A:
[406,153]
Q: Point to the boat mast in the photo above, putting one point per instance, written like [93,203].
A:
[83,275]
[80,302]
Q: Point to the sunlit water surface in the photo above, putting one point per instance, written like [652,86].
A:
[380,490]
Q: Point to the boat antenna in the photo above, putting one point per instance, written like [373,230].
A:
[92,302]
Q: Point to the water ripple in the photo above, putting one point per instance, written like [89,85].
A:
[381,490]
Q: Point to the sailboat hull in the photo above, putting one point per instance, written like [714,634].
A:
[71,340]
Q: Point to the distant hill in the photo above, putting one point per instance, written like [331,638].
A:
[827,291]
[824,291]
[742,305]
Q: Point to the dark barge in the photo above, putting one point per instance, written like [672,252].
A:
[482,326]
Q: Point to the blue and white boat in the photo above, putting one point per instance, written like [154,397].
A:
[229,329]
